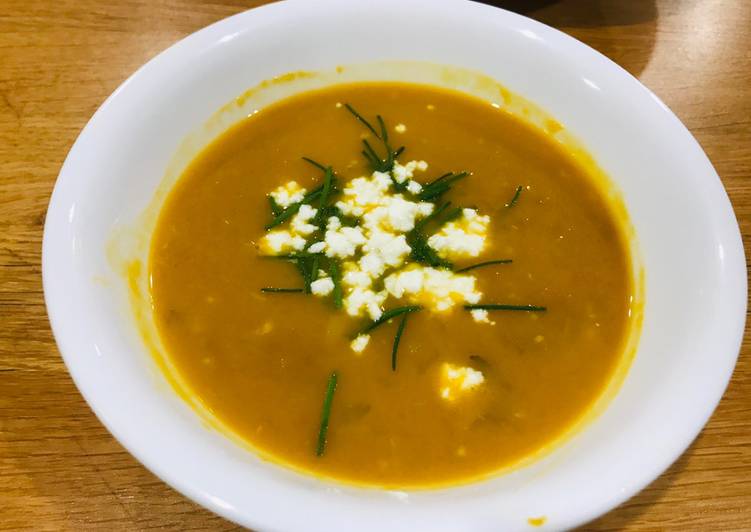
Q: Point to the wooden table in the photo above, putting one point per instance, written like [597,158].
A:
[59,59]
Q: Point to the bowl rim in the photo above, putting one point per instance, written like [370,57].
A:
[196,41]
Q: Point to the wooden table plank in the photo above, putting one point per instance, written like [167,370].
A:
[61,470]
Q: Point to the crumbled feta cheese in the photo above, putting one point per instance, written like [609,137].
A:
[287,194]
[276,242]
[376,253]
[413,187]
[365,301]
[404,172]
[317,247]
[363,193]
[436,289]
[353,276]
[462,238]
[344,241]
[322,287]
[455,380]
[480,315]
[400,128]
[300,220]
[385,249]
[359,344]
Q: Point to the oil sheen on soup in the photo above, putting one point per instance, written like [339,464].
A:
[393,317]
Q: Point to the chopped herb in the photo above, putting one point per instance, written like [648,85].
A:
[326,413]
[452,215]
[311,196]
[291,256]
[314,163]
[328,178]
[371,155]
[483,264]
[421,251]
[314,268]
[304,267]
[397,339]
[336,278]
[283,216]
[439,178]
[440,186]
[433,215]
[515,198]
[496,306]
[388,315]
[276,210]
[274,290]
[359,117]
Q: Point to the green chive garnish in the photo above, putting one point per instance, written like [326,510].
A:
[276,210]
[359,117]
[314,268]
[440,186]
[483,264]
[284,215]
[337,280]
[495,306]
[386,316]
[311,196]
[421,251]
[515,198]
[326,413]
[291,256]
[375,161]
[314,163]
[397,339]
[274,290]
[328,177]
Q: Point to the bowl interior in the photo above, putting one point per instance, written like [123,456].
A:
[690,247]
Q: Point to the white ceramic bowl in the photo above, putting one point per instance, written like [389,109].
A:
[687,233]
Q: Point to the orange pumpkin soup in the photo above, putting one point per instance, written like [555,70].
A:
[389,317]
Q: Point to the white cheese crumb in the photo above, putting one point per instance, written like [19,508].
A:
[322,287]
[436,289]
[480,315]
[287,194]
[400,128]
[359,344]
[344,241]
[462,238]
[365,301]
[413,187]
[353,276]
[363,193]
[317,247]
[455,380]
[276,242]
[333,223]
[403,172]
[300,220]
[383,249]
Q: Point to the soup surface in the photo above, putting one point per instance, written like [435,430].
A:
[471,391]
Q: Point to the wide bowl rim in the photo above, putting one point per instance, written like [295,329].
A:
[68,344]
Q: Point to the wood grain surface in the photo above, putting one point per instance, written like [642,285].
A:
[59,59]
